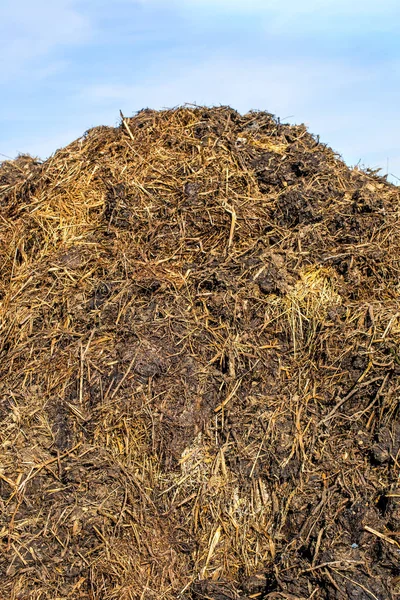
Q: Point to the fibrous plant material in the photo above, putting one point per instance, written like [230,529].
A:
[199,378]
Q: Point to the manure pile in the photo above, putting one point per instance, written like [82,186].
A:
[199,366]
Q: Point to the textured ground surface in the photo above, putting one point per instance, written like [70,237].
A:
[199,366]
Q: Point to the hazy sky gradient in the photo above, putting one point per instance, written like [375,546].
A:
[72,64]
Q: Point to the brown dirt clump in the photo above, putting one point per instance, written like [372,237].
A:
[199,376]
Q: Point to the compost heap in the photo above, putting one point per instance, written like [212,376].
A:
[199,395]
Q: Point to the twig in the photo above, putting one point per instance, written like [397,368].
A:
[229,397]
[126,126]
[380,535]
[349,395]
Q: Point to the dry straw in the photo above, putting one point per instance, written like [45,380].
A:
[199,380]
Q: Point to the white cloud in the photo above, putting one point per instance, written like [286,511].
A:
[41,147]
[32,29]
[285,87]
[290,8]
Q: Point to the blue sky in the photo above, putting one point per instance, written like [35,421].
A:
[68,65]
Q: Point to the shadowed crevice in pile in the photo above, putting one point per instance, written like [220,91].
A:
[199,366]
